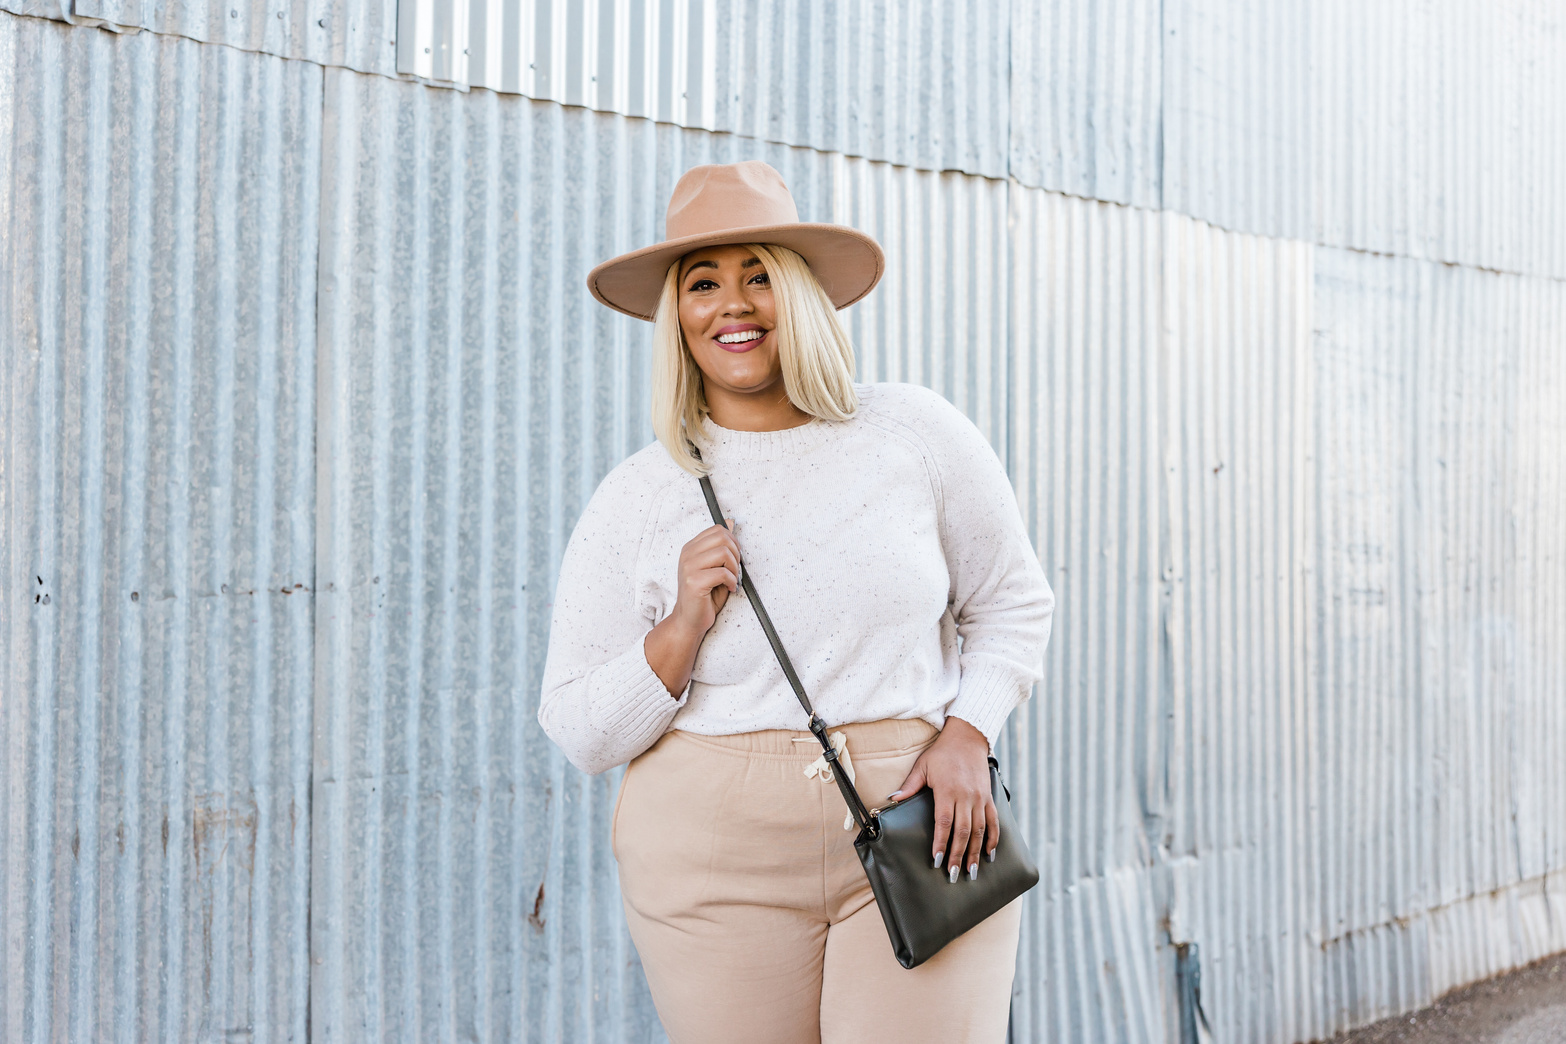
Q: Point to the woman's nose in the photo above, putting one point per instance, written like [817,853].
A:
[736,302]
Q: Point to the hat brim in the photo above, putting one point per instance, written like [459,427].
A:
[846,262]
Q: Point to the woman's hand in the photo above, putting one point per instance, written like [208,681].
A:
[957,768]
[709,572]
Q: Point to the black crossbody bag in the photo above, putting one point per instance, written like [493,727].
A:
[923,909]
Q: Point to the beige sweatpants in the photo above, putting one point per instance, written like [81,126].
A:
[751,911]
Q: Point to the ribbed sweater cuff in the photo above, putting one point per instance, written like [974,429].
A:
[637,706]
[986,696]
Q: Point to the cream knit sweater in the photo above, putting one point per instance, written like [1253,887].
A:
[889,551]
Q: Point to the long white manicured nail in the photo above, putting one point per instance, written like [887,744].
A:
[952,876]
[938,857]
[973,871]
[990,856]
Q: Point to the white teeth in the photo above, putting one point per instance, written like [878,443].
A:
[741,337]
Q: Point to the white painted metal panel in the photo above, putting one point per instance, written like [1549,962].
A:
[1238,411]
[1439,661]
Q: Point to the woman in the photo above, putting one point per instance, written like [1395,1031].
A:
[886,540]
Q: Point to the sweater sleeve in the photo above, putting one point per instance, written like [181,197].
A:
[601,702]
[1000,599]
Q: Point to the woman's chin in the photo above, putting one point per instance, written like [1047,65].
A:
[748,380]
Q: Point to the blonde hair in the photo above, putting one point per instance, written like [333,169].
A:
[817,356]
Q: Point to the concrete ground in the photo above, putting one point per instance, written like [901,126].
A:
[1527,1006]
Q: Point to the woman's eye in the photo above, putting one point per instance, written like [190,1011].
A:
[700,284]
[762,276]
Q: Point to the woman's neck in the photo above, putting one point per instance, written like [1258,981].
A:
[764,411]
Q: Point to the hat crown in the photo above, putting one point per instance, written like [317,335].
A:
[716,197]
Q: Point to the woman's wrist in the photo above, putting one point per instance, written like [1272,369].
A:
[671,648]
[966,733]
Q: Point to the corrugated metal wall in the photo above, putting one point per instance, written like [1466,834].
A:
[158,201]
[1271,336]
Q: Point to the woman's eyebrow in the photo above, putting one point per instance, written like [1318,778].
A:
[750,263]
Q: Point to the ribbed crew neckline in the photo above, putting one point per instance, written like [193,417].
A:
[718,443]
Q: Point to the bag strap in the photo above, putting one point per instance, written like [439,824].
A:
[818,728]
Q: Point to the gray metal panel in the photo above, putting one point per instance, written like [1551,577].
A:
[357,34]
[1237,103]
[158,200]
[1086,755]
[919,84]
[1296,512]
[1086,88]
[471,398]
[1439,131]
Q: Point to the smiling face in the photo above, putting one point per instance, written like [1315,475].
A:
[728,315]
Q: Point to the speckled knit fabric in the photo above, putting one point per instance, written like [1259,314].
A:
[877,543]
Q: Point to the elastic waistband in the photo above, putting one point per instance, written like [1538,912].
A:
[866,739]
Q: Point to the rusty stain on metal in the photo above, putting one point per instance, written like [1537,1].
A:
[536,918]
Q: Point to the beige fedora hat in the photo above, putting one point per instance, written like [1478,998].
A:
[722,203]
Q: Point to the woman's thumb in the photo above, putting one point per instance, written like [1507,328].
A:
[912,785]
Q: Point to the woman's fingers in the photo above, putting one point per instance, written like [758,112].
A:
[715,557]
[991,828]
[709,572]
[713,546]
[703,581]
[713,536]
[962,828]
[945,816]
[956,769]
[716,554]
[976,842]
[912,785]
